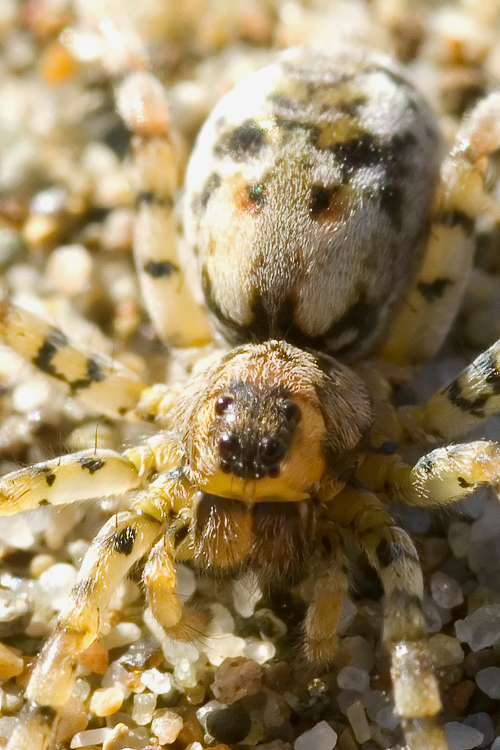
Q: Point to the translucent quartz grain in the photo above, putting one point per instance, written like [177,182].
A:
[445,650]
[158,682]
[357,719]
[143,708]
[484,724]
[122,634]
[462,737]
[488,680]
[57,583]
[480,629]
[320,737]
[353,678]
[90,737]
[445,591]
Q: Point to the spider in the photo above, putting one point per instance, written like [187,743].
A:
[327,229]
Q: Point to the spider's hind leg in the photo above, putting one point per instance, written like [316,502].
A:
[142,103]
[432,300]
[392,554]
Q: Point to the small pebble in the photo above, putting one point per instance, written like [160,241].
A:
[69,269]
[229,725]
[40,564]
[144,706]
[166,726]
[106,701]
[320,737]
[123,634]
[90,737]
[445,591]
[57,583]
[353,678]
[185,674]
[462,737]
[118,230]
[457,698]
[445,651]
[488,680]
[11,665]
[484,724]
[95,658]
[387,719]
[15,613]
[259,651]
[480,629]
[158,682]
[357,719]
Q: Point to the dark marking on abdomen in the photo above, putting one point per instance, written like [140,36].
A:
[361,319]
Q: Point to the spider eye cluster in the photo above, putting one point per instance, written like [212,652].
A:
[254,432]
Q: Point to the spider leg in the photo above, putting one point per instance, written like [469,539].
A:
[432,300]
[123,540]
[99,381]
[160,578]
[392,554]
[330,589]
[142,103]
[88,474]
[67,479]
[467,401]
[443,476]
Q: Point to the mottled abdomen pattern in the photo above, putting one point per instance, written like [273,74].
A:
[308,199]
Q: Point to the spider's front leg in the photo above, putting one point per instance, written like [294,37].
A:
[392,554]
[124,539]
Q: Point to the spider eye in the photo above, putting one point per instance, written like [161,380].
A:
[229,445]
[291,412]
[271,449]
[223,403]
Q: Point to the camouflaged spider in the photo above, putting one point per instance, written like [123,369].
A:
[325,229]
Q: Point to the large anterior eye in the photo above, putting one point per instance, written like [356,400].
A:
[223,403]
[291,412]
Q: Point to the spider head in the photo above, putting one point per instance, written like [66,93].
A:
[263,422]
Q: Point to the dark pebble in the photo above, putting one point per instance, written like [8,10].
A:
[229,725]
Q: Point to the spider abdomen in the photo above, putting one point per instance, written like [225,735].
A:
[308,200]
